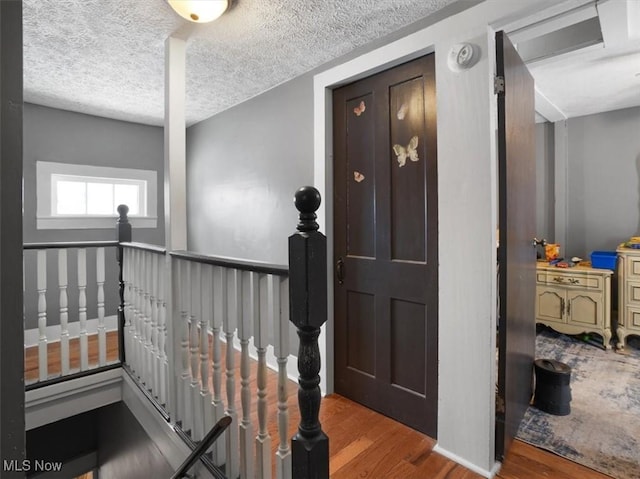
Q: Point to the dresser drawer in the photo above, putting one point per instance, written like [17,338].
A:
[632,292]
[631,318]
[581,280]
[632,267]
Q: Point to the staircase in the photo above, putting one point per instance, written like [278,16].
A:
[196,335]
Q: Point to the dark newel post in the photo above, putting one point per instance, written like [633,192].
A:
[308,311]
[123,229]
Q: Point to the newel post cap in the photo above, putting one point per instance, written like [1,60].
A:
[307,200]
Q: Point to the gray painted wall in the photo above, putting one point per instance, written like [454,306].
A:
[604,190]
[544,182]
[243,167]
[603,194]
[67,137]
[245,164]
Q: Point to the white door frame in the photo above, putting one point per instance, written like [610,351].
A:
[467,159]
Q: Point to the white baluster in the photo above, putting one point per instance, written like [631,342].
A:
[229,324]
[220,305]
[250,308]
[145,319]
[155,370]
[64,312]
[128,306]
[148,354]
[82,308]
[140,315]
[162,331]
[205,407]
[279,317]
[135,317]
[194,343]
[185,289]
[42,315]
[261,340]
[102,333]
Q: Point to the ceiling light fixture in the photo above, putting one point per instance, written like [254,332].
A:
[199,11]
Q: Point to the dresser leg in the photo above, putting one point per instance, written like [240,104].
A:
[607,338]
[622,337]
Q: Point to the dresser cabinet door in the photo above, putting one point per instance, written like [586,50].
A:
[550,303]
[584,308]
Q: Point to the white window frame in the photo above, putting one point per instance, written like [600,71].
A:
[48,171]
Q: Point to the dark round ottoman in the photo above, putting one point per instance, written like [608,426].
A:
[553,391]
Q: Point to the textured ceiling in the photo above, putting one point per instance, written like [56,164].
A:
[106,57]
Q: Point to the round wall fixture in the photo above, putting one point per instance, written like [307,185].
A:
[462,56]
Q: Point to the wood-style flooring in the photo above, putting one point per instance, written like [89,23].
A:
[362,443]
[31,367]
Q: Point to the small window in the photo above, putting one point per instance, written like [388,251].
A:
[83,196]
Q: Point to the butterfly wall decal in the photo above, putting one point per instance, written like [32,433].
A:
[402,111]
[359,110]
[410,151]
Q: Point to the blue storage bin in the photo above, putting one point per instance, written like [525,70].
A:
[604,259]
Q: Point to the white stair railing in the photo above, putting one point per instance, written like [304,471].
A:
[223,308]
[145,332]
[49,320]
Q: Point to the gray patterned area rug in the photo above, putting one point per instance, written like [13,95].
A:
[602,431]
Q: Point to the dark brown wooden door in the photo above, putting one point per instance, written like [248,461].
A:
[516,255]
[386,286]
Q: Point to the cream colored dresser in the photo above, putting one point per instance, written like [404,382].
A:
[575,300]
[628,294]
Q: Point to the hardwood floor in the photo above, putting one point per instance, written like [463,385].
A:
[31,368]
[365,444]
[362,443]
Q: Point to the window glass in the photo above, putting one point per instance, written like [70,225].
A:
[128,195]
[100,199]
[71,197]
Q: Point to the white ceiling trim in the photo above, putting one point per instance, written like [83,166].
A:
[548,110]
[556,22]
[615,21]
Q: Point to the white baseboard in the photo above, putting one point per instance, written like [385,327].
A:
[490,474]
[31,336]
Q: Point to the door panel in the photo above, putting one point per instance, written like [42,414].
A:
[516,255]
[385,179]
[408,192]
[408,333]
[360,311]
[360,200]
